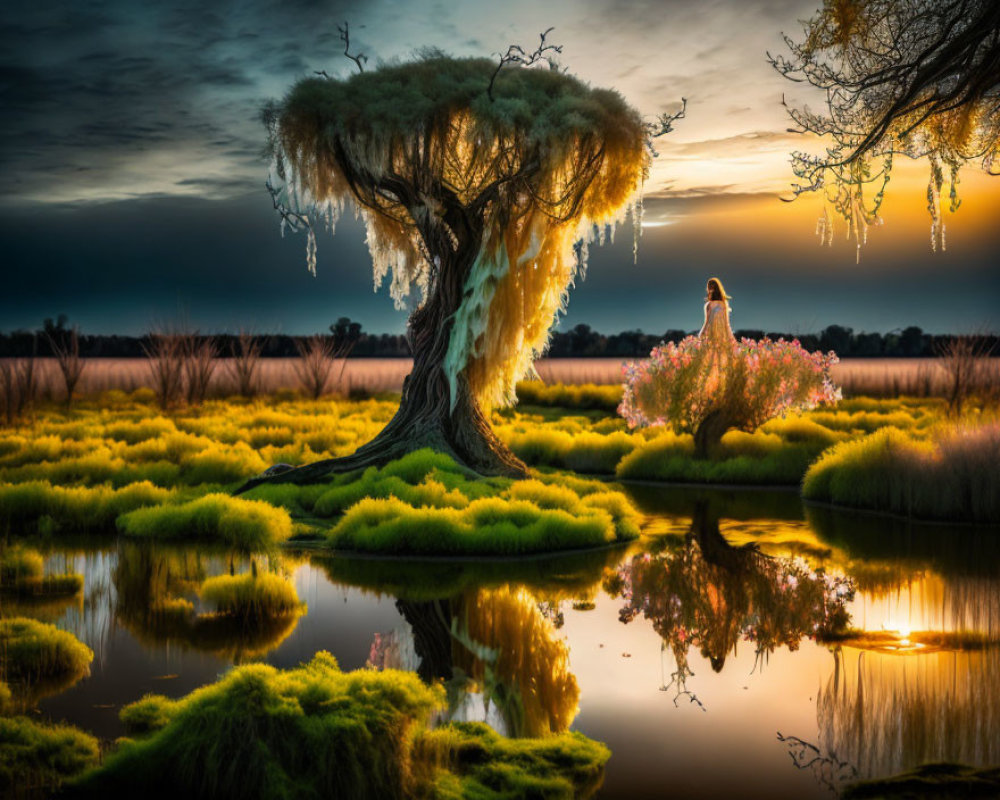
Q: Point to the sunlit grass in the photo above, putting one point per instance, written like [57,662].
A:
[38,755]
[318,731]
[952,475]
[426,504]
[235,521]
[32,651]
[86,470]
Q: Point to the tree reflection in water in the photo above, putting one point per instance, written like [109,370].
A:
[494,645]
[710,595]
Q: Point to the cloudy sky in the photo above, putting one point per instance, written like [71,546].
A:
[131,153]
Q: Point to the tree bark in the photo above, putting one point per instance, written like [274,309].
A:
[425,417]
[709,434]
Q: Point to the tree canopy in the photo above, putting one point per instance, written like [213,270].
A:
[434,165]
[919,78]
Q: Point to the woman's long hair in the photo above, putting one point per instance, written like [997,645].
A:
[715,291]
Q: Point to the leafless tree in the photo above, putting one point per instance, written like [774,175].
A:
[164,351]
[8,391]
[200,353]
[967,363]
[315,364]
[245,362]
[66,349]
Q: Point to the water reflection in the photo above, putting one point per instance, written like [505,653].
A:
[708,594]
[157,600]
[889,713]
[726,580]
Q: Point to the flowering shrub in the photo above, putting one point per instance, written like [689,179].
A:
[745,383]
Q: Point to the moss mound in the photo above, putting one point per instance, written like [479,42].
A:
[315,731]
[239,523]
[37,756]
[476,762]
[425,504]
[38,659]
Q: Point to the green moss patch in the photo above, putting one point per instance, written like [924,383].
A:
[38,659]
[317,732]
[42,756]
[476,762]
[425,504]
[237,522]
[38,506]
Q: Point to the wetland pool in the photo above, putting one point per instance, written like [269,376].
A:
[699,655]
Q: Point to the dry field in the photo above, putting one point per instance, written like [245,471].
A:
[879,377]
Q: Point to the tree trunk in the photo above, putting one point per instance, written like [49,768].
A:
[709,434]
[425,417]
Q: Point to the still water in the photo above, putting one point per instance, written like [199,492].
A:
[693,654]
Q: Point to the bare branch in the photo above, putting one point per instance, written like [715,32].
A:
[516,55]
[345,36]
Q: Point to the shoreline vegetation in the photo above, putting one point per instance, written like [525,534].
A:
[118,462]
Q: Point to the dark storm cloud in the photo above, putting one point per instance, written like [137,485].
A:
[131,151]
[91,86]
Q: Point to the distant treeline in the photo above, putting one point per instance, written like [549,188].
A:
[580,342]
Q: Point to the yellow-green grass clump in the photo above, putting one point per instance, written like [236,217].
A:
[36,656]
[22,574]
[319,732]
[40,756]
[584,395]
[425,504]
[760,458]
[951,476]
[476,762]
[38,506]
[234,521]
[251,596]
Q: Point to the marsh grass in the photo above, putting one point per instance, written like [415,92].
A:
[472,760]
[38,659]
[239,523]
[319,732]
[316,732]
[950,476]
[37,757]
[426,504]
[50,509]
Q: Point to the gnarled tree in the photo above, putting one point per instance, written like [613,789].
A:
[919,78]
[484,204]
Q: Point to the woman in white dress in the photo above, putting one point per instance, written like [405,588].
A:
[716,335]
[716,328]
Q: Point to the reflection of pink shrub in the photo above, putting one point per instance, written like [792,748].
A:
[699,387]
